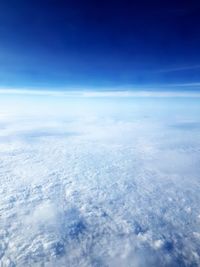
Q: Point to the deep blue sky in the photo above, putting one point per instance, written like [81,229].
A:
[94,44]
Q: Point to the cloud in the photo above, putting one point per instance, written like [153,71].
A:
[142,94]
[179,68]
[107,93]
[124,191]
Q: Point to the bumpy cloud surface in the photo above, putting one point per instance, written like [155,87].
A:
[99,181]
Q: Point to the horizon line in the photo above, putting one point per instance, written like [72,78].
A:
[87,93]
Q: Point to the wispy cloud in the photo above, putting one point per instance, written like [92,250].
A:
[108,93]
[141,94]
[179,68]
[193,84]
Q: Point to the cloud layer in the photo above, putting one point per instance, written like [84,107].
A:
[99,182]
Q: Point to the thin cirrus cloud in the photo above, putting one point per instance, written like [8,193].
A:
[178,68]
[149,92]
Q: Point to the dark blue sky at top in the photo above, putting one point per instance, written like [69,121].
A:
[78,43]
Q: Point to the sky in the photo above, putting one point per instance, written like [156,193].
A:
[99,44]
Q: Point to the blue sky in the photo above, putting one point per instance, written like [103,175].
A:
[99,44]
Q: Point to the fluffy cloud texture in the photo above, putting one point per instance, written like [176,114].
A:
[99,181]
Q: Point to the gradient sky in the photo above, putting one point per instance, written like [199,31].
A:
[70,44]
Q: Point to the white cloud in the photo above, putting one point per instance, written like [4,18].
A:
[108,93]
[121,190]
